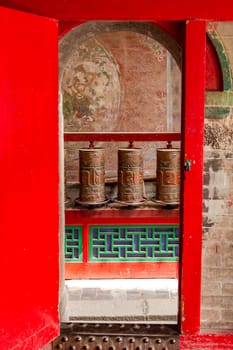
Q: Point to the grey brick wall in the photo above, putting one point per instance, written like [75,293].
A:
[217,253]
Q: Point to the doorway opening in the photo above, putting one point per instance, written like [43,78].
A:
[120,83]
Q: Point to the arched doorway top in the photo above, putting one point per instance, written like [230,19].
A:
[69,42]
[223,59]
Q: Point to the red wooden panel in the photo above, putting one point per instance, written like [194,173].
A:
[127,10]
[121,217]
[121,270]
[87,270]
[191,219]
[29,181]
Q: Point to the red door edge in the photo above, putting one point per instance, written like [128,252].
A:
[191,214]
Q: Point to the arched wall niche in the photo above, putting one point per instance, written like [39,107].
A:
[143,94]
[218,103]
[223,59]
[214,78]
[82,32]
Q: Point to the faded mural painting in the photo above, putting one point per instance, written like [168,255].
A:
[89,81]
[117,82]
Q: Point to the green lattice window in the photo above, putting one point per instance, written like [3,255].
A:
[134,243]
[73,243]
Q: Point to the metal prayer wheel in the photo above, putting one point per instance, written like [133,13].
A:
[130,175]
[92,175]
[168,175]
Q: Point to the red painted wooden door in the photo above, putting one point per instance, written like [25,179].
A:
[29,181]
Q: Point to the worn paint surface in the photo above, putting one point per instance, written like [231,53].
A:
[219,135]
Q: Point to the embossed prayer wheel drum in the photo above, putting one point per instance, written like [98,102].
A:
[92,175]
[130,175]
[168,175]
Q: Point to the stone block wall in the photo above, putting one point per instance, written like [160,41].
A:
[217,261]
[217,253]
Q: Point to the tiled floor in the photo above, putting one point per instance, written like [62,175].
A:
[143,300]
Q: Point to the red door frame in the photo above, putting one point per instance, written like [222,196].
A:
[193,100]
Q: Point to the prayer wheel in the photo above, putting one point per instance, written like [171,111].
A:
[92,175]
[130,175]
[168,175]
